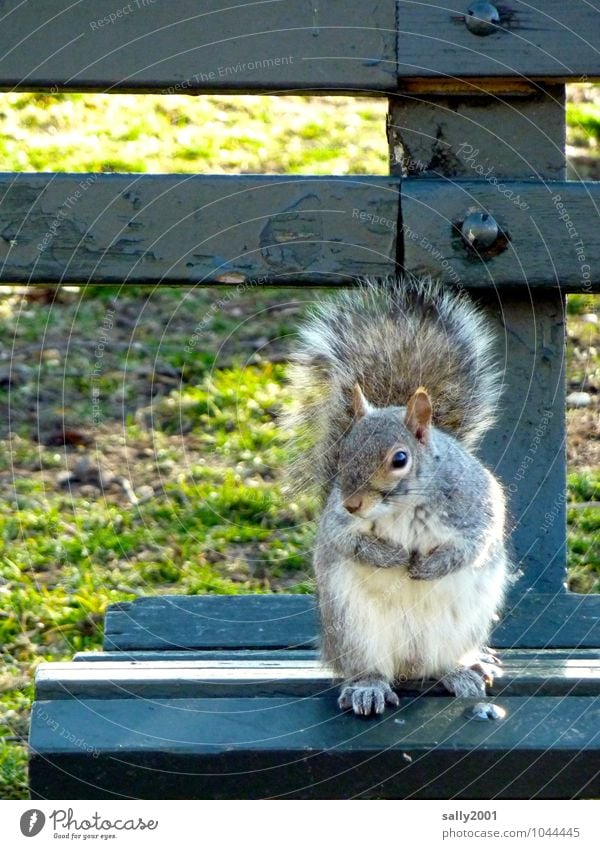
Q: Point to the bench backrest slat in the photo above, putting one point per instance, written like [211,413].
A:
[109,228]
[282,45]
[552,39]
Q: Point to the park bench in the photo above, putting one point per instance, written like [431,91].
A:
[212,697]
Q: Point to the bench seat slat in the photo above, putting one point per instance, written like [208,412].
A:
[567,621]
[533,656]
[181,679]
[301,747]
[187,622]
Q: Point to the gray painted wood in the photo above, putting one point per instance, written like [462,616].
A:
[533,656]
[282,45]
[519,137]
[526,448]
[194,655]
[536,621]
[551,242]
[454,137]
[233,679]
[212,621]
[227,229]
[115,228]
[198,45]
[545,40]
[292,747]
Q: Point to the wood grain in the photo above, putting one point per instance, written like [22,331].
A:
[124,228]
[259,747]
[168,623]
[197,46]
[551,231]
[547,39]
[526,675]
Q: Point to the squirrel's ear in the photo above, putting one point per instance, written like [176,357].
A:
[418,414]
[360,405]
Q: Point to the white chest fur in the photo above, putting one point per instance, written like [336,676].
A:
[405,628]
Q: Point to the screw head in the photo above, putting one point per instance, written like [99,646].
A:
[479,230]
[484,711]
[482,18]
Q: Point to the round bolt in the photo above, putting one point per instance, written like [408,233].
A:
[484,711]
[482,18]
[479,230]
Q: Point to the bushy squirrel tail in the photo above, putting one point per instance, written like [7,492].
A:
[391,336]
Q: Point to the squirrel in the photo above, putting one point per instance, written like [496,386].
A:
[395,383]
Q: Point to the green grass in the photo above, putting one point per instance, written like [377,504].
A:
[195,432]
[193,135]
[584,124]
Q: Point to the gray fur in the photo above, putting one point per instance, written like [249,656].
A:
[391,337]
[409,559]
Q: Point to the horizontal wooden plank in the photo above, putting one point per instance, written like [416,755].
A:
[235,678]
[281,45]
[194,655]
[550,232]
[194,622]
[533,656]
[114,228]
[304,748]
[277,621]
[549,39]
[198,45]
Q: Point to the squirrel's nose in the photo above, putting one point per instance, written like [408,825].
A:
[353,503]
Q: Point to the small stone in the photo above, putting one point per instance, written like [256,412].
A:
[578,399]
[145,493]
[590,318]
[483,711]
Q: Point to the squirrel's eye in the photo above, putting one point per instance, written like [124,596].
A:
[399,460]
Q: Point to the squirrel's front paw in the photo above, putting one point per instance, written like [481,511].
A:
[367,696]
[423,568]
[442,561]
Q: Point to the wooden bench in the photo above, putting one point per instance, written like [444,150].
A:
[224,697]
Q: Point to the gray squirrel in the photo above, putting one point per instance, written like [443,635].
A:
[395,384]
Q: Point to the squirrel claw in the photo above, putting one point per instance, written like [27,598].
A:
[488,671]
[488,666]
[367,696]
[487,655]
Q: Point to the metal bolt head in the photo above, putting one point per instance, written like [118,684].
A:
[484,711]
[479,230]
[482,18]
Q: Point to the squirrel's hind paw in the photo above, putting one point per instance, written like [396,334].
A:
[367,696]
[465,682]
[472,680]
